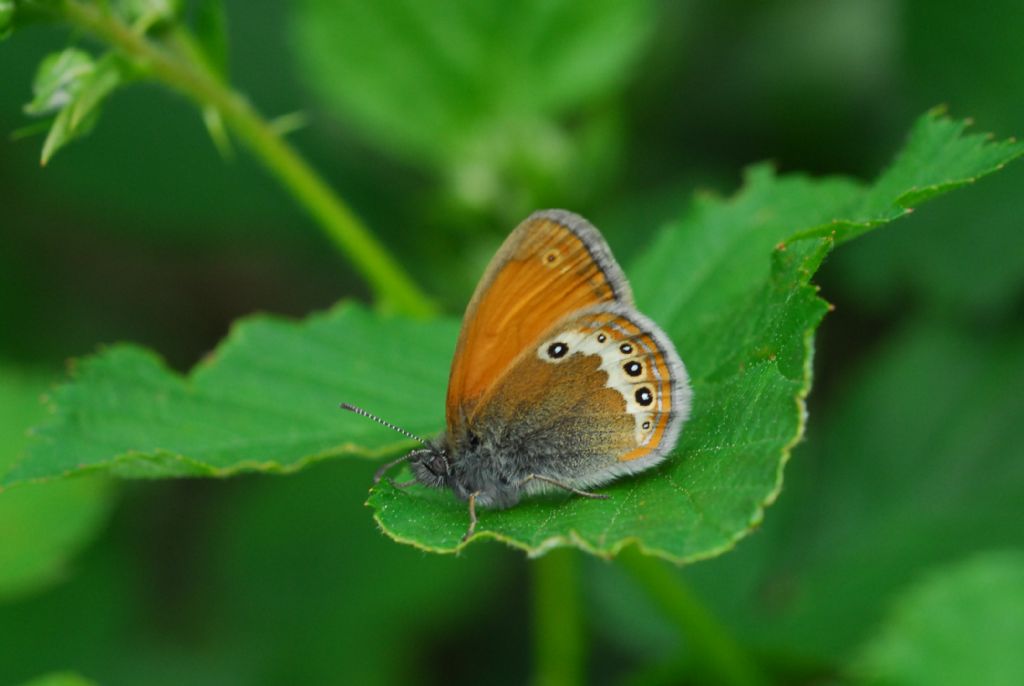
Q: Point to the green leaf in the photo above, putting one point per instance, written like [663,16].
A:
[60,679]
[41,526]
[267,400]
[961,625]
[71,84]
[743,325]
[475,90]
[726,283]
[58,80]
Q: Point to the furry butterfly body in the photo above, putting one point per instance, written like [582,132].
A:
[557,380]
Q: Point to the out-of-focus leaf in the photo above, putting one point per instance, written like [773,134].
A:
[107,76]
[348,598]
[62,132]
[432,81]
[961,625]
[967,257]
[210,23]
[60,679]
[6,18]
[214,123]
[725,284]
[197,583]
[920,464]
[58,80]
[211,32]
[71,84]
[41,526]
[115,620]
[17,13]
[475,90]
[970,60]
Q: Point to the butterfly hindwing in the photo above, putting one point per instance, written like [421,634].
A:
[601,394]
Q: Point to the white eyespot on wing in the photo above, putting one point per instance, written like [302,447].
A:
[561,347]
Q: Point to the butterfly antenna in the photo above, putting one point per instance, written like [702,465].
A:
[360,411]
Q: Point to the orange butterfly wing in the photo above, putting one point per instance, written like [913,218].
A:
[553,264]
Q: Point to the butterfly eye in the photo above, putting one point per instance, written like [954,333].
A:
[646,426]
[626,348]
[643,396]
[438,465]
[633,368]
[601,338]
[557,350]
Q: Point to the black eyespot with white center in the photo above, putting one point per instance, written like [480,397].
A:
[601,338]
[645,426]
[644,396]
[626,348]
[557,350]
[633,368]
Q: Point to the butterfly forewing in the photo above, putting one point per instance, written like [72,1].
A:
[554,263]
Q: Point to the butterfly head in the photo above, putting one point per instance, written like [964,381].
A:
[469,465]
[431,466]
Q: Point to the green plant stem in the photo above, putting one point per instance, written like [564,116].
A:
[558,641]
[720,655]
[391,285]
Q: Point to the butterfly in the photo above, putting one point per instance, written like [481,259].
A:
[558,382]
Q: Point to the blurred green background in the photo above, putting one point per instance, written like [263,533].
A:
[444,124]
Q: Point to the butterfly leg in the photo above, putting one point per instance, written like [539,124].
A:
[472,516]
[554,482]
